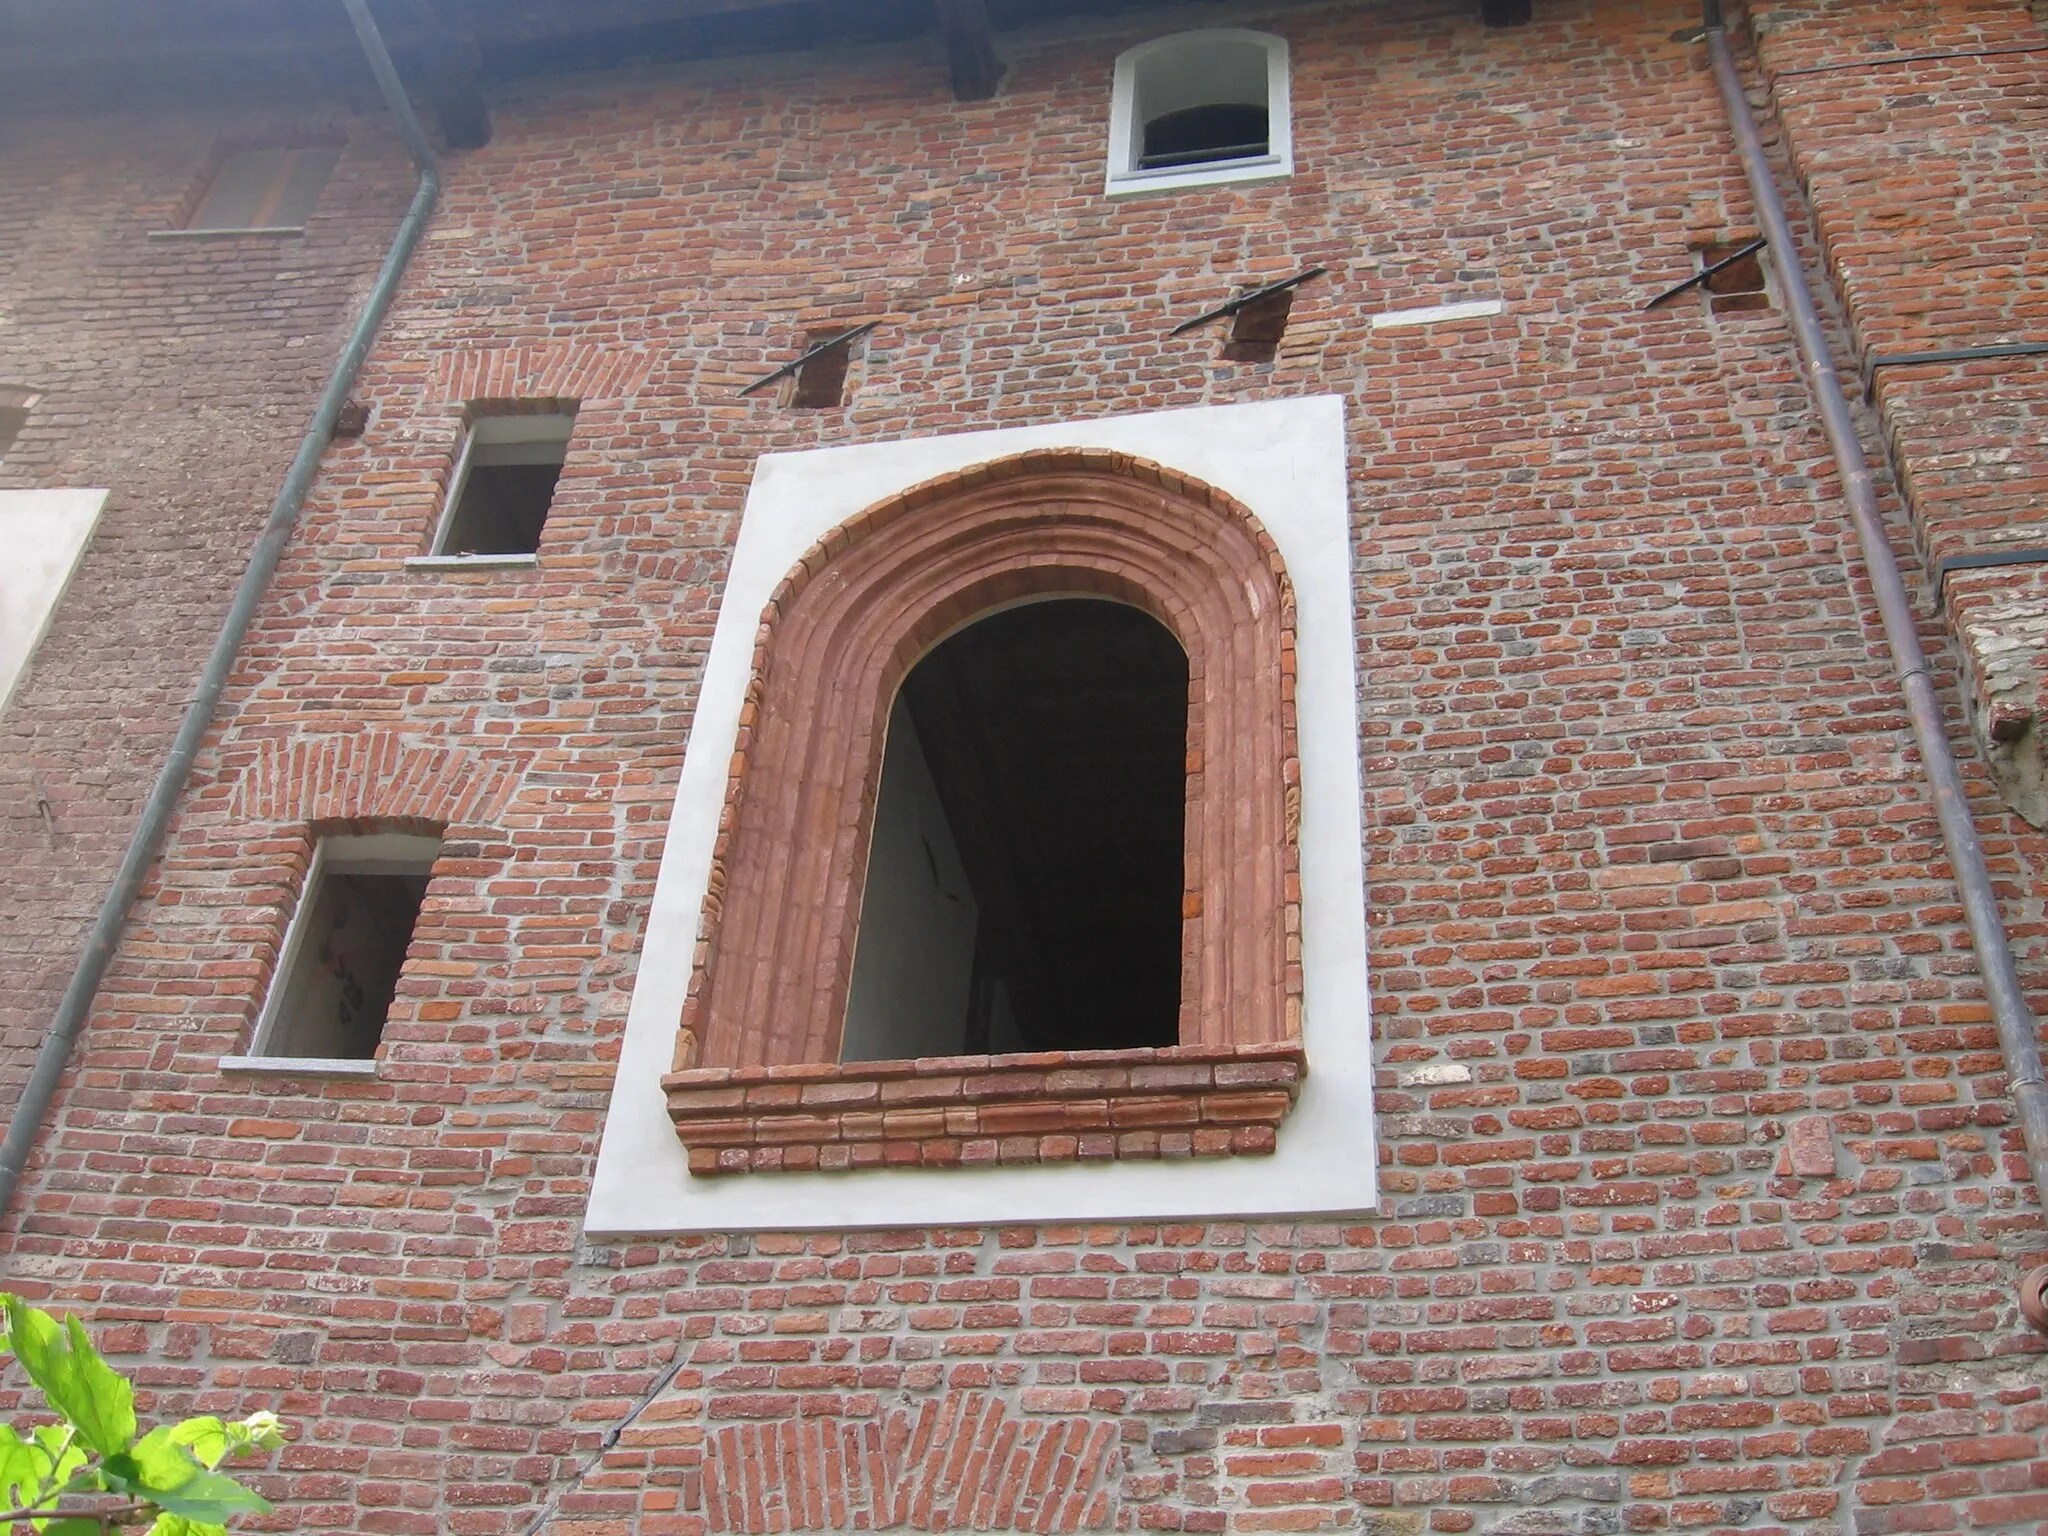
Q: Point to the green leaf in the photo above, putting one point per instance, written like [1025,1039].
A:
[74,1379]
[205,1437]
[168,1524]
[21,1470]
[58,1447]
[70,1525]
[163,1472]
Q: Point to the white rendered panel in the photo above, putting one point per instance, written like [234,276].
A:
[1285,460]
[44,534]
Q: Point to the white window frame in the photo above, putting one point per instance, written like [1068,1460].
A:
[375,853]
[543,430]
[1124,178]
[1285,460]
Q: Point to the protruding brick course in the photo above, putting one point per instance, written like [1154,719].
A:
[959,1111]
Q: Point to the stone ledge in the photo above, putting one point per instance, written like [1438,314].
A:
[964,1111]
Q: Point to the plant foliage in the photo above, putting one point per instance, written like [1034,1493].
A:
[91,1473]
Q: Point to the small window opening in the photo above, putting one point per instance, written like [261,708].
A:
[1025,875]
[265,189]
[1739,285]
[1200,108]
[503,485]
[346,946]
[821,382]
[15,404]
[1205,134]
[1256,330]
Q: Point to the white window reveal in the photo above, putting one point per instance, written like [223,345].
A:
[342,955]
[1200,109]
[503,484]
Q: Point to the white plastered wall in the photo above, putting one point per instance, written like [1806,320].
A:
[44,534]
[1283,459]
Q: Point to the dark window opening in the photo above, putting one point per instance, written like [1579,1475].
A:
[346,947]
[504,485]
[1739,285]
[1025,878]
[1203,135]
[265,189]
[821,382]
[1255,330]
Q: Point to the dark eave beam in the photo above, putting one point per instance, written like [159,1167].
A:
[970,49]
[452,66]
[1505,13]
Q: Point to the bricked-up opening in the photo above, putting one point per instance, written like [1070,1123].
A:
[265,189]
[345,947]
[1739,285]
[503,484]
[821,382]
[1025,872]
[758,1081]
[1256,330]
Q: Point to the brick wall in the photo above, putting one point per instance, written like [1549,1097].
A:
[179,375]
[1703,1206]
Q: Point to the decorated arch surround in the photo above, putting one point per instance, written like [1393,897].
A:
[757,1083]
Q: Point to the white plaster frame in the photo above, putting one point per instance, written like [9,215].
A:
[45,534]
[1285,460]
[1125,179]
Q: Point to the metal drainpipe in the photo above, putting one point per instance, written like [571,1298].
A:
[2017,1039]
[72,1012]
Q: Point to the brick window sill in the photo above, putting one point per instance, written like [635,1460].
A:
[967,1111]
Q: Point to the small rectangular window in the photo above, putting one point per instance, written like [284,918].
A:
[503,484]
[265,189]
[345,947]
[14,409]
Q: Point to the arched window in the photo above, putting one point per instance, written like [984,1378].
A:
[1199,109]
[1025,872]
[912,677]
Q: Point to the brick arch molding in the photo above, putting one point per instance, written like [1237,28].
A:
[775,949]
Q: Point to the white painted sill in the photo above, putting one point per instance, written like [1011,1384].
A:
[265,231]
[1221,174]
[297,1066]
[1437,314]
[472,562]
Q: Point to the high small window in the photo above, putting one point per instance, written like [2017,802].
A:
[503,484]
[265,189]
[345,947]
[15,404]
[1199,109]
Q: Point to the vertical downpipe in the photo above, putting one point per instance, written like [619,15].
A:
[2018,1039]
